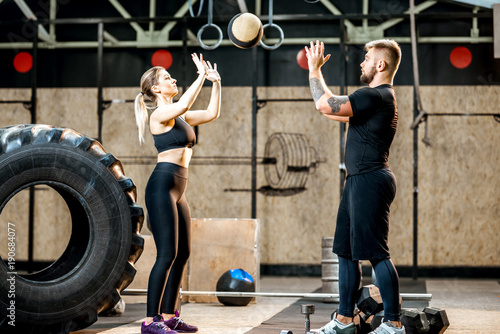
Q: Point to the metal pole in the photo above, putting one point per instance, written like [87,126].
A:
[100,108]
[254,133]
[34,86]
[415,189]
[343,83]
[311,295]
[417,112]
[184,66]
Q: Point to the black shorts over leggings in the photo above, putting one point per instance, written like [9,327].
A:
[363,216]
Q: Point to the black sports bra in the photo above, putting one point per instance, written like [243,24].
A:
[181,135]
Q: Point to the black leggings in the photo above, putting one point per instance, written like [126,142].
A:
[387,280]
[170,220]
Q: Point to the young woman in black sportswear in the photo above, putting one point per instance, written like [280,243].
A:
[170,124]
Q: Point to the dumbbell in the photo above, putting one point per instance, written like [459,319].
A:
[363,323]
[369,300]
[369,314]
[438,320]
[431,320]
[415,321]
[367,324]
[307,310]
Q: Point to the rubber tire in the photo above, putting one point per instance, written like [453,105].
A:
[104,244]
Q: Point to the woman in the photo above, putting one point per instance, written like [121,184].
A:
[170,124]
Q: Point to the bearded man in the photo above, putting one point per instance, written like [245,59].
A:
[362,228]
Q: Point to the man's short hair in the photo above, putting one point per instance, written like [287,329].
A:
[391,50]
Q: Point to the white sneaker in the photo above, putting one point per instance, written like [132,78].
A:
[335,327]
[388,328]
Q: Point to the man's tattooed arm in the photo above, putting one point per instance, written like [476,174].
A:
[335,102]
[316,89]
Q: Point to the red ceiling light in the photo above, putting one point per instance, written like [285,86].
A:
[162,58]
[23,62]
[460,57]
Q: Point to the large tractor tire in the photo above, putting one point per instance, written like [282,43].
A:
[104,243]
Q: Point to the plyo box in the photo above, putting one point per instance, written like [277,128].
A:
[217,245]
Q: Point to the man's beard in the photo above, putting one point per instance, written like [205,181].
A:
[367,77]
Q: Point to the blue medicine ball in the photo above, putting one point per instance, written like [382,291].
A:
[235,280]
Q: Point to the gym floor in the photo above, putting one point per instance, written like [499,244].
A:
[472,306]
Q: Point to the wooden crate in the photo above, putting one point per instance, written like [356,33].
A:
[217,245]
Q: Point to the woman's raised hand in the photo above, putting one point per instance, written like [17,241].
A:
[200,64]
[212,74]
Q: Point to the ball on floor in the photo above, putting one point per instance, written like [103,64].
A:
[245,30]
[235,280]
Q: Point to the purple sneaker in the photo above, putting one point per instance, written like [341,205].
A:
[178,325]
[156,328]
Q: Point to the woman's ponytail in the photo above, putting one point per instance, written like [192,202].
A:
[148,80]
[141,115]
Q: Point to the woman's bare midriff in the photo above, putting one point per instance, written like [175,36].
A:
[178,156]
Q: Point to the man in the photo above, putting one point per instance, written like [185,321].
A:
[363,216]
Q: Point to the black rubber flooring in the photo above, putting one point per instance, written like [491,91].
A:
[291,319]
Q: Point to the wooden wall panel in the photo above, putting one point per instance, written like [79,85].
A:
[459,187]
[459,179]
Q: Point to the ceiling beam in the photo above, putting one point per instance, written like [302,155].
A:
[180,13]
[418,9]
[123,12]
[335,11]
[357,35]
[42,32]
[302,41]
[152,14]
[243,6]
[191,36]
[52,15]
[258,7]
[110,38]
[365,11]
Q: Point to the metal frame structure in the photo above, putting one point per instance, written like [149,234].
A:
[155,38]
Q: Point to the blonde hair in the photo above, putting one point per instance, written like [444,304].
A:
[148,80]
[391,49]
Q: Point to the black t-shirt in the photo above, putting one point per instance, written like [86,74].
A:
[371,129]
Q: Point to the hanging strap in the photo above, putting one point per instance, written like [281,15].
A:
[421,112]
[272,25]
[210,24]
[199,9]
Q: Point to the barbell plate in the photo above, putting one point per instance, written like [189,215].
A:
[291,152]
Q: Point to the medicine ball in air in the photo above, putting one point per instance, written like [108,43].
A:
[235,280]
[245,30]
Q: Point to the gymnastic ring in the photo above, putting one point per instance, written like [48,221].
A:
[277,45]
[200,32]
[311,1]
